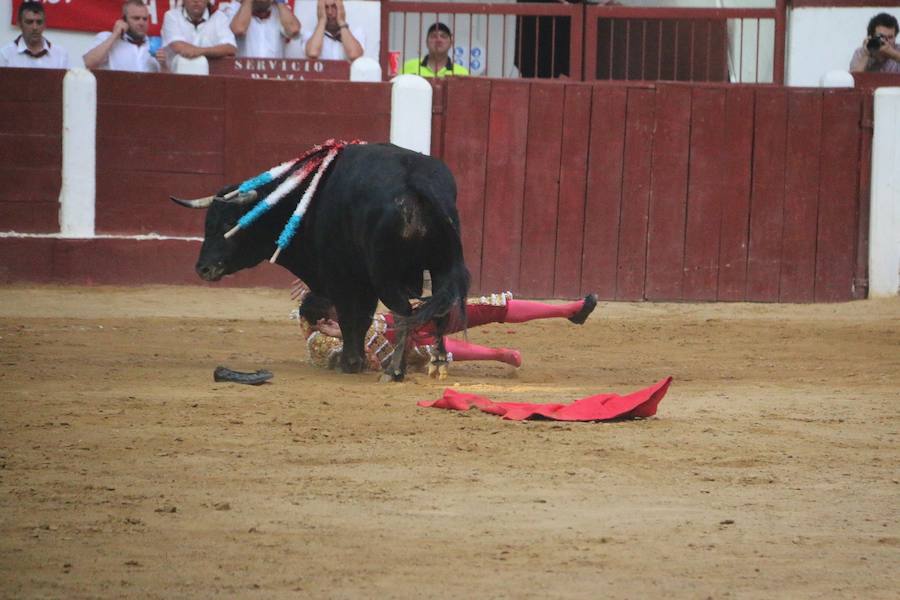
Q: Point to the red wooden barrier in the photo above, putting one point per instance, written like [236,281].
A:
[30,149]
[192,135]
[702,192]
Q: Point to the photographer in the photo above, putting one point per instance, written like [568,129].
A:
[879,52]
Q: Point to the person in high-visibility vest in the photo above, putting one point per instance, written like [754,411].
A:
[439,60]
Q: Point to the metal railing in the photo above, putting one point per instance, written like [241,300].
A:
[592,42]
[492,40]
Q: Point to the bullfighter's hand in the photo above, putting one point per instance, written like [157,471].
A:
[329,327]
[299,290]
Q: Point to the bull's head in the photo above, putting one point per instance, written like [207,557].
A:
[221,255]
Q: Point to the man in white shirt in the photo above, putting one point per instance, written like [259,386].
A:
[262,30]
[333,38]
[125,48]
[191,32]
[31,49]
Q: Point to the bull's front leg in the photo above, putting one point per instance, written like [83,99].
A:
[353,331]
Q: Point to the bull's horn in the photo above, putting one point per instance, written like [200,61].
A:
[198,203]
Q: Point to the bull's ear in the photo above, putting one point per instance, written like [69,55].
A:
[198,203]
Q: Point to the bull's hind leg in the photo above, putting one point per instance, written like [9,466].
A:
[395,370]
[440,361]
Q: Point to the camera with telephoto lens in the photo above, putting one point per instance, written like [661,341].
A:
[875,42]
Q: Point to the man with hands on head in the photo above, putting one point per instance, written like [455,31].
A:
[263,30]
[333,38]
[879,52]
[191,32]
[125,48]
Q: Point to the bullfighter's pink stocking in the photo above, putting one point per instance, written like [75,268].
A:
[462,351]
[520,311]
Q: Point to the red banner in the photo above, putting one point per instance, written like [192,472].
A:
[94,15]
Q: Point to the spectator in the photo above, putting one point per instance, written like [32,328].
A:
[879,51]
[259,33]
[318,324]
[438,62]
[191,32]
[31,49]
[126,47]
[333,38]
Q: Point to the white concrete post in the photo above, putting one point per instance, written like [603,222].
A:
[411,113]
[79,154]
[884,214]
[365,69]
[838,79]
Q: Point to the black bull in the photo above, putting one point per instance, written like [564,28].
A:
[380,217]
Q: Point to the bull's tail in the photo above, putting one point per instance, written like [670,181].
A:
[449,275]
[450,286]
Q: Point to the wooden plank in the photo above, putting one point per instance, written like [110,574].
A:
[709,146]
[861,275]
[505,186]
[572,185]
[30,201]
[798,252]
[120,87]
[119,262]
[604,190]
[733,240]
[540,210]
[632,254]
[468,110]
[25,151]
[439,101]
[240,160]
[270,129]
[767,201]
[30,217]
[122,155]
[838,201]
[668,193]
[190,128]
[32,86]
[140,204]
[31,118]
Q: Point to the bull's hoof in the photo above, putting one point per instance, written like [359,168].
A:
[438,370]
[350,367]
[389,377]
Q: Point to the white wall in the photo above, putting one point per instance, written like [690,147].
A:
[823,39]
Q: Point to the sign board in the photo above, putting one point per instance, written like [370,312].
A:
[287,69]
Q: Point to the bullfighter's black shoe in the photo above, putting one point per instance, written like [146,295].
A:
[590,303]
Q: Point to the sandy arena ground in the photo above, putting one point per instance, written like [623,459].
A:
[771,470]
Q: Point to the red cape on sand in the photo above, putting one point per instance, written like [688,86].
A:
[600,407]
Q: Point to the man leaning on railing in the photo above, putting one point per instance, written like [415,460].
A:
[191,32]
